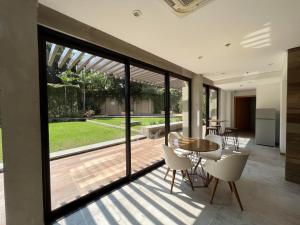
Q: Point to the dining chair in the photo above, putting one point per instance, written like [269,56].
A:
[213,155]
[174,162]
[173,137]
[228,169]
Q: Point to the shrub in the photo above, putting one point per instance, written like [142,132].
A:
[89,113]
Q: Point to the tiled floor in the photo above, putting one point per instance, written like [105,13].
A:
[267,198]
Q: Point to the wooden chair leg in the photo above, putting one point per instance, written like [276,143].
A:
[237,195]
[182,173]
[199,161]
[214,191]
[230,186]
[174,173]
[167,173]
[187,174]
[210,179]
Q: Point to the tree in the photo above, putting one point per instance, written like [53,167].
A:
[66,78]
[84,79]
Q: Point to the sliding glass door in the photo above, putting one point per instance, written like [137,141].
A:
[179,106]
[104,119]
[147,114]
[86,122]
[209,107]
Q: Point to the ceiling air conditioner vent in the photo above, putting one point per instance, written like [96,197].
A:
[183,7]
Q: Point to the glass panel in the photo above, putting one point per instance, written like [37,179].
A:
[213,108]
[147,117]
[179,106]
[86,122]
[2,205]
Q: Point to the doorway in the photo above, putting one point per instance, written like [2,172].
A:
[245,113]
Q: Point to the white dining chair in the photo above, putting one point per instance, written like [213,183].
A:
[228,169]
[174,162]
[173,138]
[213,155]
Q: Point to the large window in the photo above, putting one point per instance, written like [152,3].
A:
[104,119]
[209,107]
[2,204]
[85,112]
[147,111]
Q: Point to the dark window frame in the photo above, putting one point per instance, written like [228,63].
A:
[207,92]
[46,34]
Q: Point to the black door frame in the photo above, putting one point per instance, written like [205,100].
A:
[46,34]
[207,95]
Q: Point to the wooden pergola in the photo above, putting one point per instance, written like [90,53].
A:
[72,58]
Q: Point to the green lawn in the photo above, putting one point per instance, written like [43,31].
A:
[67,135]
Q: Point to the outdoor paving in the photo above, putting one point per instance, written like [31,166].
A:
[75,176]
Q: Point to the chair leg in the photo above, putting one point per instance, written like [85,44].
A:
[167,173]
[214,191]
[199,161]
[230,186]
[237,195]
[187,174]
[209,179]
[174,173]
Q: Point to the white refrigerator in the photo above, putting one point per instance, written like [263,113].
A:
[265,127]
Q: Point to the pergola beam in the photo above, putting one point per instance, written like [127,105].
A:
[114,66]
[64,57]
[118,68]
[102,65]
[52,54]
[75,58]
[84,61]
[94,62]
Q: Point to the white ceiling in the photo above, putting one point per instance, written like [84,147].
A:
[260,31]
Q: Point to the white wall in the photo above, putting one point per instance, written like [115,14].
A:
[268,96]
[283,102]
[225,106]
[197,89]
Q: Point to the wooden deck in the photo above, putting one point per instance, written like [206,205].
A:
[75,176]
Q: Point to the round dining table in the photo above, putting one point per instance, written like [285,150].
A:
[198,145]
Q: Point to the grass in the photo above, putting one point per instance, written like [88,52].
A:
[67,135]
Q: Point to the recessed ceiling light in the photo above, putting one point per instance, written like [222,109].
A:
[200,57]
[223,73]
[270,64]
[228,44]
[137,12]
